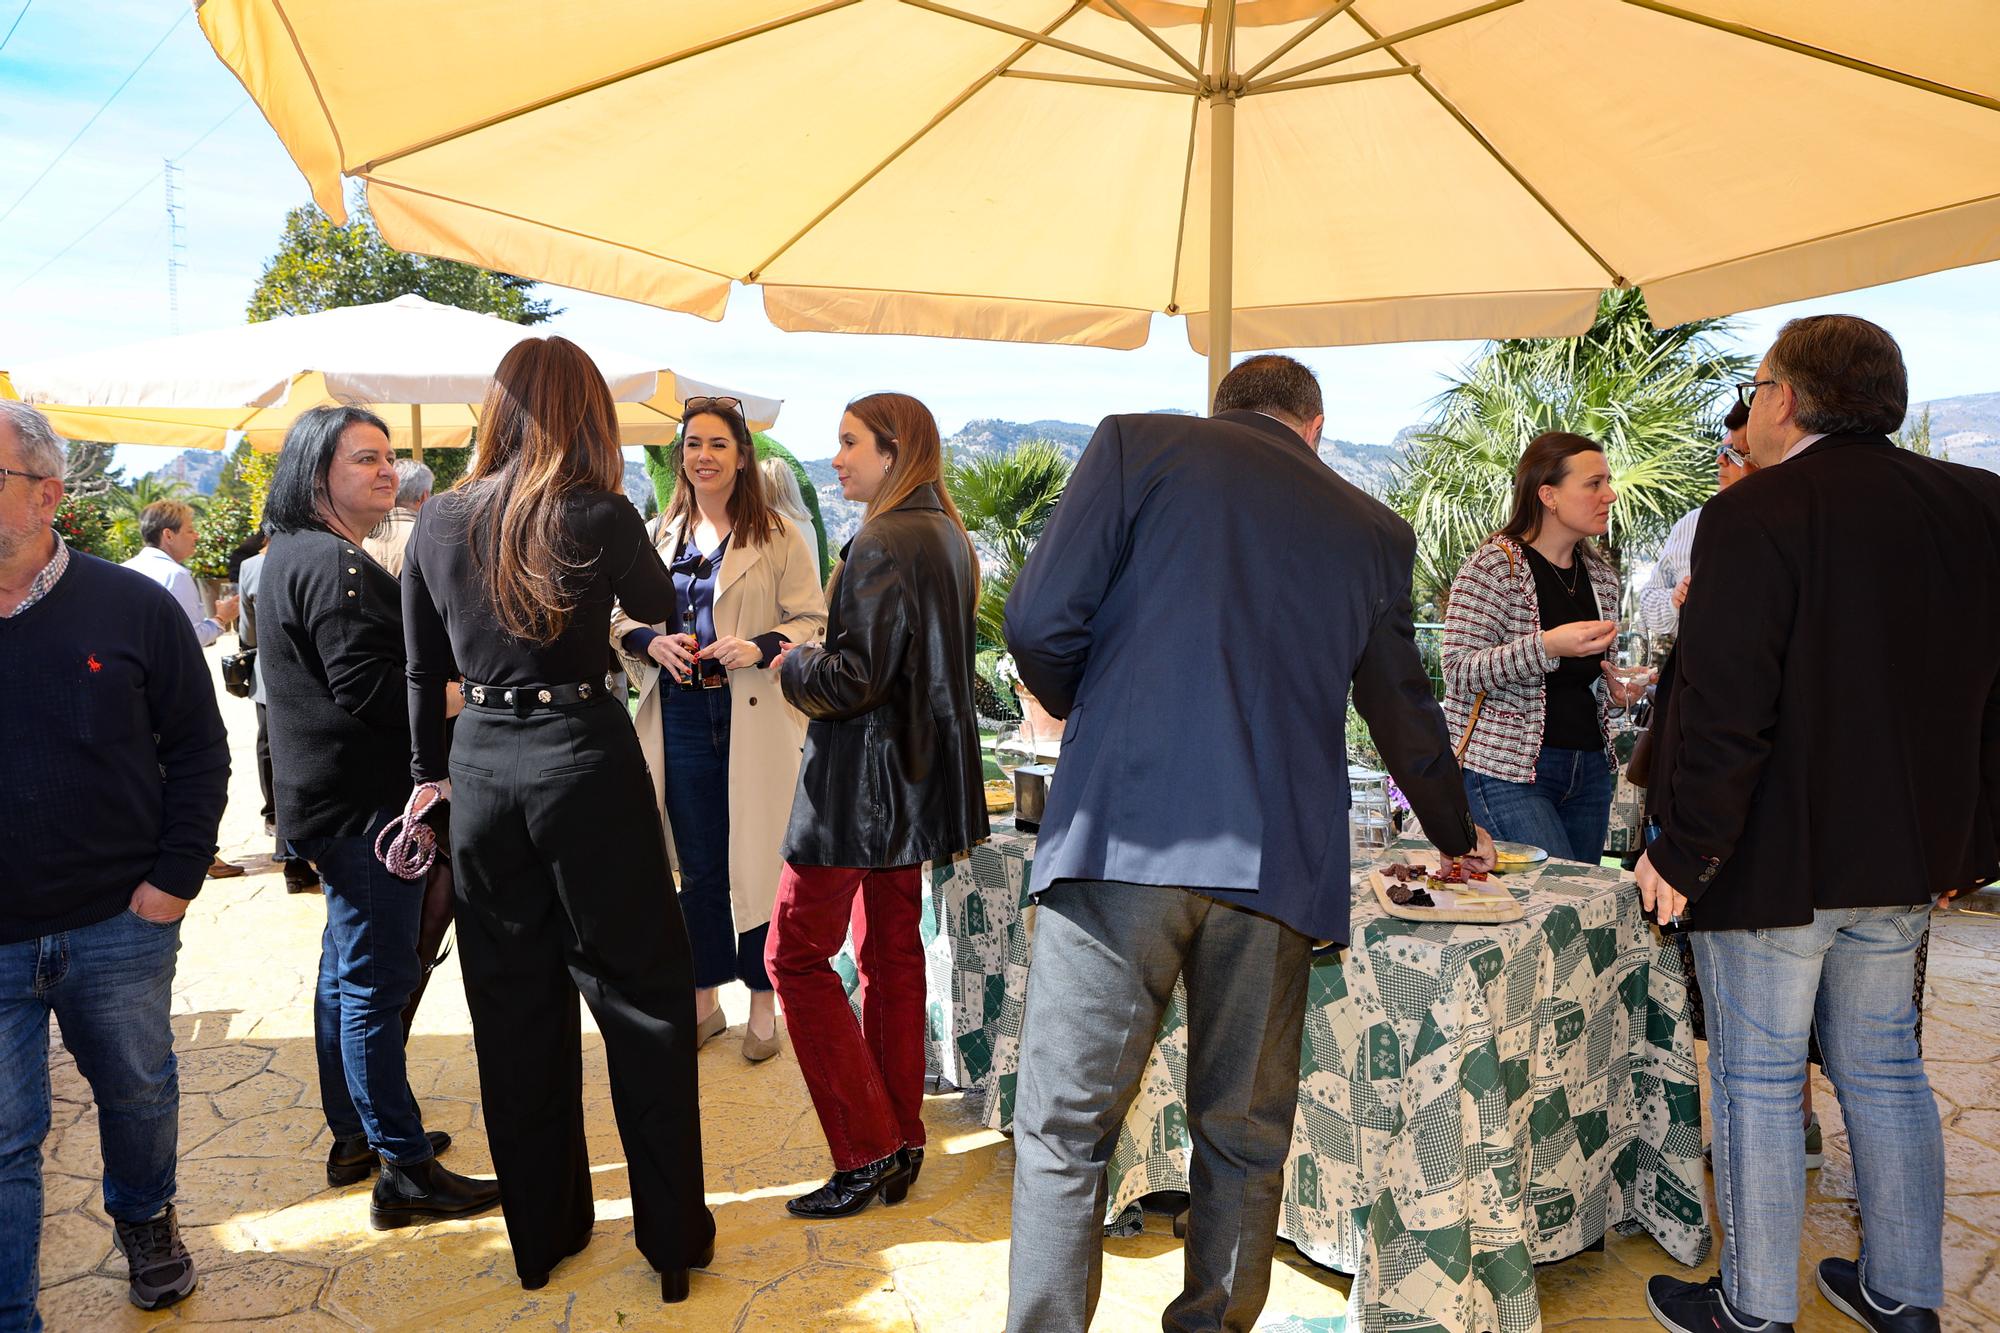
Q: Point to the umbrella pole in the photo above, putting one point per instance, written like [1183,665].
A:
[1221,197]
[417,431]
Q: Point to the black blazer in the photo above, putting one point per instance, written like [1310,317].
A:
[330,655]
[892,769]
[1199,607]
[1833,735]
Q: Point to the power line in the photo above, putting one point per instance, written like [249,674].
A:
[121,206]
[17,23]
[178,20]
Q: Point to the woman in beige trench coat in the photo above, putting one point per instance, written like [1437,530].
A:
[724,752]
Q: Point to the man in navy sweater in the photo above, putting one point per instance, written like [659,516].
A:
[117,766]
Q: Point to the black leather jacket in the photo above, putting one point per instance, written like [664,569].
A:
[892,771]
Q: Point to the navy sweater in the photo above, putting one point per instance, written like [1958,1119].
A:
[116,764]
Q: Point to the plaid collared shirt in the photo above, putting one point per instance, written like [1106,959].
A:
[46,580]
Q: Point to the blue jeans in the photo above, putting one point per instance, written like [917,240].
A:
[367,971]
[110,987]
[696,780]
[1566,810]
[1849,975]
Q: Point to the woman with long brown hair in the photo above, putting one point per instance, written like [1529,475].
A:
[720,741]
[509,580]
[1526,631]
[891,779]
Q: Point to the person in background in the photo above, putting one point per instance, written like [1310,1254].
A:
[891,779]
[167,529]
[413,487]
[1189,558]
[300,877]
[558,860]
[1829,766]
[117,767]
[332,665]
[724,755]
[1527,687]
[1666,588]
[781,490]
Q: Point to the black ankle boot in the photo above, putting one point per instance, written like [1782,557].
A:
[913,1158]
[408,1196]
[674,1281]
[851,1191]
[351,1161]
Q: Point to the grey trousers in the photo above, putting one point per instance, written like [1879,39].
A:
[1106,956]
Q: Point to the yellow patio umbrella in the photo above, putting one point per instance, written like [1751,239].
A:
[422,366]
[1282,172]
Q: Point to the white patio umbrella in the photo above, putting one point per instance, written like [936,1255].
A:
[1290,172]
[422,366]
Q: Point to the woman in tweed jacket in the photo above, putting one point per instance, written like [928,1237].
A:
[1524,645]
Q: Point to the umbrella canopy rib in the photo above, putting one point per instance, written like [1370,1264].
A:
[1818,53]
[1382,43]
[1194,71]
[1044,38]
[1291,43]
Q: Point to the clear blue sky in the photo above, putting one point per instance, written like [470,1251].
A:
[111,286]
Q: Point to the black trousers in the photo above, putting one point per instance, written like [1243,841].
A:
[559,859]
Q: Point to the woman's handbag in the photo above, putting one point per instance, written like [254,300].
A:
[239,672]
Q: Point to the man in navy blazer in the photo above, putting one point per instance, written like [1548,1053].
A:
[1204,598]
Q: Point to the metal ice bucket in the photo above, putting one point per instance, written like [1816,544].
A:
[1031,794]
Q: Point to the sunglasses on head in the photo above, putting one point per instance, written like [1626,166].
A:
[696,405]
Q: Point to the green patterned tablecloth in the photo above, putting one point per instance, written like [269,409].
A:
[971,916]
[1473,1100]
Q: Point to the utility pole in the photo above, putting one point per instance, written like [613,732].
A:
[176,248]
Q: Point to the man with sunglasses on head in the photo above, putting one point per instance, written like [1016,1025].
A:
[1828,767]
[1661,597]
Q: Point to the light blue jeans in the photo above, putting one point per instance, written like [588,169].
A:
[1849,974]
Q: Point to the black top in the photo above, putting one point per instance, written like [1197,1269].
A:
[330,655]
[451,630]
[116,763]
[892,772]
[1570,719]
[1833,735]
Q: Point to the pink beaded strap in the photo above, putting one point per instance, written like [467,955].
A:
[407,845]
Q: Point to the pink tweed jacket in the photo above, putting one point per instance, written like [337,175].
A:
[1493,646]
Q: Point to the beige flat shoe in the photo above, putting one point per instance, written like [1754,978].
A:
[758,1049]
[709,1028]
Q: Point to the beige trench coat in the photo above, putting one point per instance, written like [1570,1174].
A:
[759,589]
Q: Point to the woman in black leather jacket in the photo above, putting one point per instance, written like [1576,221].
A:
[891,779]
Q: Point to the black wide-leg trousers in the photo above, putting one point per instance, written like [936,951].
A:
[560,867]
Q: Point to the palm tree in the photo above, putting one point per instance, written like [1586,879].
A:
[133,498]
[1006,500]
[1648,395]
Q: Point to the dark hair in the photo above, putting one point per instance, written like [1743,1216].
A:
[298,499]
[1737,417]
[1847,373]
[750,515]
[159,518]
[548,428]
[1545,462]
[1272,384]
[246,548]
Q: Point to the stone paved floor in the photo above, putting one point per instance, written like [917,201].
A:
[280,1251]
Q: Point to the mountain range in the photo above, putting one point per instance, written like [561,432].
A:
[1967,427]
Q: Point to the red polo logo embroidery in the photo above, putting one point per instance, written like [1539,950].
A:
[92,662]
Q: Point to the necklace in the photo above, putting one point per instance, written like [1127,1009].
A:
[1571,583]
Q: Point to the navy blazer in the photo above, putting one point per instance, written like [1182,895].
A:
[1199,606]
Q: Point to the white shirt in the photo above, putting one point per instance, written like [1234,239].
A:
[1805,443]
[1656,598]
[172,575]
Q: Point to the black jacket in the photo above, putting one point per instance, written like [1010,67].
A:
[1198,608]
[892,770]
[1833,735]
[330,654]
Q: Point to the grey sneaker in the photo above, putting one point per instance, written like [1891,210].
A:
[160,1267]
[1815,1147]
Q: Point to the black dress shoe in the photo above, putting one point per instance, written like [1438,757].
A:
[674,1281]
[851,1191]
[408,1196]
[351,1161]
